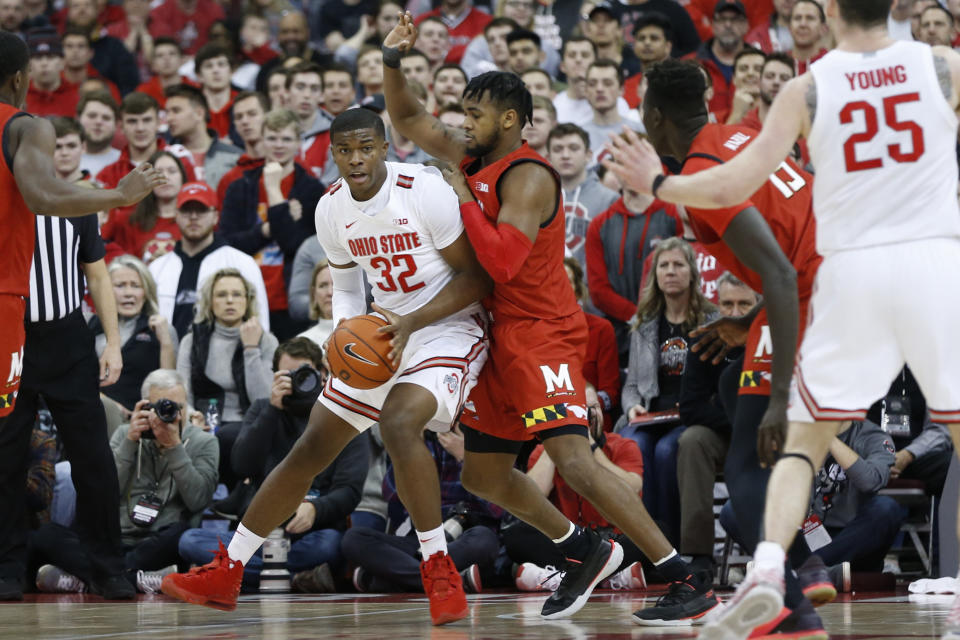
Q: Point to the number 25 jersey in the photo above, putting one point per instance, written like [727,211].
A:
[396,236]
[883,143]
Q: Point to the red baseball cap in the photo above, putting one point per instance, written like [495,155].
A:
[197,192]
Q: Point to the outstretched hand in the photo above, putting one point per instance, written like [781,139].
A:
[135,186]
[634,161]
[400,327]
[718,337]
[404,35]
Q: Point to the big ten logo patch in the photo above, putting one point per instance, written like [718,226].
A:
[557,382]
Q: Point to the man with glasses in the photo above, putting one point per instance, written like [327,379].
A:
[717,55]
[199,253]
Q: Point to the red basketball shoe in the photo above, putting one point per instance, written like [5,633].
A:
[216,584]
[444,587]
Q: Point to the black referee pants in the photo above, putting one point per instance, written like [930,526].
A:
[60,363]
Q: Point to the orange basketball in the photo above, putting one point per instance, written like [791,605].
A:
[357,352]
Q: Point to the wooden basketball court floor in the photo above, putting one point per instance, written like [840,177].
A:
[493,616]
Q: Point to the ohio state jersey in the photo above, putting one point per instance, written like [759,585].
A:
[883,142]
[396,236]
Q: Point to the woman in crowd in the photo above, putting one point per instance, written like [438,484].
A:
[321,304]
[148,342]
[150,230]
[227,358]
[600,368]
[671,306]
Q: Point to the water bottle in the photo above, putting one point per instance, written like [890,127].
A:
[212,416]
[275,578]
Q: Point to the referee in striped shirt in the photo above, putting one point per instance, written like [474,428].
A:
[61,365]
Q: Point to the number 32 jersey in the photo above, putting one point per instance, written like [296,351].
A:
[396,236]
[883,143]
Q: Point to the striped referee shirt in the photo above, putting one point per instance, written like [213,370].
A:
[56,281]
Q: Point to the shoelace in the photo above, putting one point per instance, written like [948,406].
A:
[149,581]
[439,585]
[553,573]
[68,582]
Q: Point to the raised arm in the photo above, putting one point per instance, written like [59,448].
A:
[406,113]
[31,145]
[637,165]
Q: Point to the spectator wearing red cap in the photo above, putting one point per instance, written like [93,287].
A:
[186,20]
[149,230]
[48,94]
[196,255]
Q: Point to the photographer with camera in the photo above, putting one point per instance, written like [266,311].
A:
[390,562]
[167,468]
[540,562]
[269,430]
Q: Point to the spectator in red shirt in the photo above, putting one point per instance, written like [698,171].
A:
[652,42]
[540,562]
[249,110]
[717,54]
[773,34]
[97,113]
[110,57]
[304,95]
[77,55]
[188,21]
[778,69]
[747,70]
[212,64]
[165,61]
[808,26]
[464,22]
[49,94]
[187,115]
[150,229]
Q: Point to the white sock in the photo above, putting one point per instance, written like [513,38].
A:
[432,542]
[244,544]
[769,555]
[672,554]
[569,533]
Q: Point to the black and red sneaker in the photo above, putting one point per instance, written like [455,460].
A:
[684,603]
[582,576]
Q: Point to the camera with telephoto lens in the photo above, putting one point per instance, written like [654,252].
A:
[167,410]
[459,519]
[306,383]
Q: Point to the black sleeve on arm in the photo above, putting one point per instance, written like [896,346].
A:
[91,244]
[239,223]
[699,397]
[349,473]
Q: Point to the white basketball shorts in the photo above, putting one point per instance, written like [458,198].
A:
[444,358]
[872,311]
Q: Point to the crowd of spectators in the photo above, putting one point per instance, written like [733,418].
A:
[222,289]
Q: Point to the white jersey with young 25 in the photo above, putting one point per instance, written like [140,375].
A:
[883,143]
[395,236]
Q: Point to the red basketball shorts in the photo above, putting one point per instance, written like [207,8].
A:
[533,379]
[758,352]
[11,350]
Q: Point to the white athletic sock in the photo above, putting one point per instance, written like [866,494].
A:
[432,541]
[244,544]
[769,555]
[569,533]
[672,554]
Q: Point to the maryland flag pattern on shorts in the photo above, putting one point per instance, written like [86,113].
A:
[544,414]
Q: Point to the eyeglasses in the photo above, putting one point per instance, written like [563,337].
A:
[193,213]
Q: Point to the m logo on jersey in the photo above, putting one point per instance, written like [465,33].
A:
[348,349]
[764,344]
[558,383]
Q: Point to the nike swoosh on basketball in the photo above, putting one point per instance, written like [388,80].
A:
[348,349]
[351,224]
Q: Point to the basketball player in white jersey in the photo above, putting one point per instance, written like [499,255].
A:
[400,224]
[880,120]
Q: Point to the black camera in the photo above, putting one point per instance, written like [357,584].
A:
[167,410]
[306,383]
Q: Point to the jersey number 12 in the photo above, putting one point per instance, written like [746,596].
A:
[895,151]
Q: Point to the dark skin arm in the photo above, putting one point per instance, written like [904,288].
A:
[31,144]
[406,112]
[755,246]
[469,284]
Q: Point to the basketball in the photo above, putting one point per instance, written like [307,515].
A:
[358,353]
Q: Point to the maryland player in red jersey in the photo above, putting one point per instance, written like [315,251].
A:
[28,185]
[532,385]
[769,243]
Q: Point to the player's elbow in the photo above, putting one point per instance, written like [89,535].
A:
[727,194]
[41,202]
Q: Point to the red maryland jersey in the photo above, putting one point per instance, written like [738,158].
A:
[16,220]
[785,201]
[541,288]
